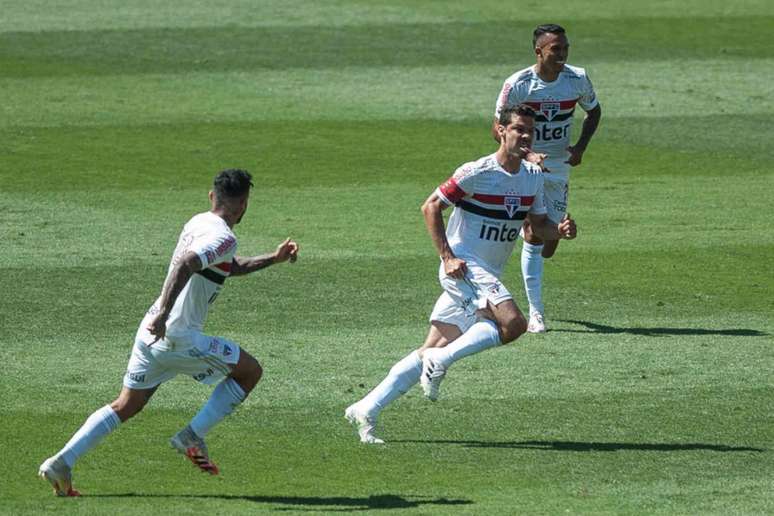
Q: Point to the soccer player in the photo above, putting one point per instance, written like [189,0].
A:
[492,197]
[170,339]
[552,88]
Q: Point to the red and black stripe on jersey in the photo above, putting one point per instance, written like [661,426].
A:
[565,111]
[486,205]
[216,273]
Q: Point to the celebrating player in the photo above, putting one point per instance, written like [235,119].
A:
[552,88]
[170,339]
[492,197]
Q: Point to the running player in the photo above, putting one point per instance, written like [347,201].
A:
[492,197]
[552,88]
[170,339]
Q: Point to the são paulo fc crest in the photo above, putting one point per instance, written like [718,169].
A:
[512,203]
[549,109]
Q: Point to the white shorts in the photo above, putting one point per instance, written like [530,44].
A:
[463,297]
[206,359]
[555,193]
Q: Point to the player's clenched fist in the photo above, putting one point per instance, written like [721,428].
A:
[567,228]
[455,267]
[287,250]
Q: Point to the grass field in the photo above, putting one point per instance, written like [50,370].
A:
[652,394]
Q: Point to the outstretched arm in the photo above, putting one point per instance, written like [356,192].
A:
[590,124]
[182,270]
[432,210]
[287,250]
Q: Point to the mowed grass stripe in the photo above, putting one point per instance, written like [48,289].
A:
[170,50]
[90,14]
[672,366]
[687,281]
[61,228]
[361,94]
[582,454]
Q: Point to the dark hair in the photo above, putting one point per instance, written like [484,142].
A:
[506,115]
[232,183]
[548,28]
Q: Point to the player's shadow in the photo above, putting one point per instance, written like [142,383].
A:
[655,332]
[574,446]
[314,503]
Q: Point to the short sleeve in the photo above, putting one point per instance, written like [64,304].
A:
[502,98]
[458,186]
[509,96]
[217,249]
[587,98]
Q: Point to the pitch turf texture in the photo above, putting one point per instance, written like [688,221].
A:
[653,391]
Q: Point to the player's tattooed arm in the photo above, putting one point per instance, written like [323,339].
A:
[183,267]
[432,210]
[590,124]
[286,251]
[546,230]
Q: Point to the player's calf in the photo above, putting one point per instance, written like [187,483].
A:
[512,328]
[131,401]
[549,248]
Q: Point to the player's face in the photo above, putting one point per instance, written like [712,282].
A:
[552,51]
[518,136]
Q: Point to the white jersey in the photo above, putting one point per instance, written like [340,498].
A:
[490,205]
[212,240]
[554,103]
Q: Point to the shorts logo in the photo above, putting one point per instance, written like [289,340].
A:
[512,203]
[549,109]
[201,376]
[136,377]
[215,345]
[494,288]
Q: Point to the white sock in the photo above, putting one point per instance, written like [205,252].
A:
[482,335]
[532,272]
[224,399]
[97,426]
[399,380]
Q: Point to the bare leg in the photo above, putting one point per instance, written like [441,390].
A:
[247,372]
[440,335]
[130,402]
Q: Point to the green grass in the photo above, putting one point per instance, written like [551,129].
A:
[652,393]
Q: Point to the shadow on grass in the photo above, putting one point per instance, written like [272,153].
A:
[313,503]
[592,446]
[654,332]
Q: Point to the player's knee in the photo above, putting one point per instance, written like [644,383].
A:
[126,408]
[253,372]
[513,328]
[549,248]
[257,372]
[247,372]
